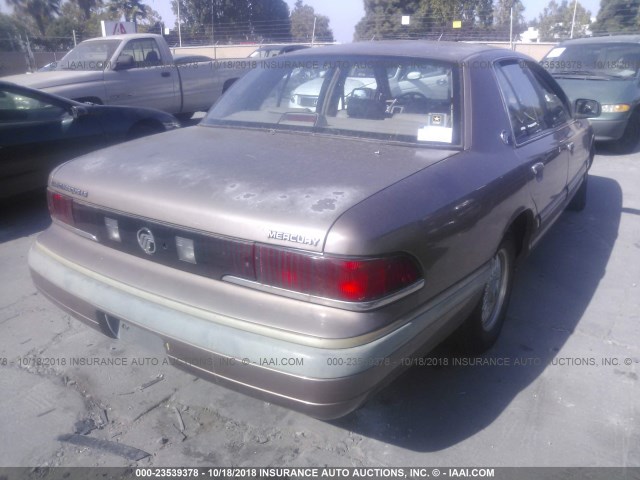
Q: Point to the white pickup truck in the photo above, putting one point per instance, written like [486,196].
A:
[138,70]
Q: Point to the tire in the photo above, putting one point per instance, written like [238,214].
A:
[629,140]
[579,200]
[482,328]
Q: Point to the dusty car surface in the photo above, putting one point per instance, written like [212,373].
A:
[607,70]
[304,257]
[38,131]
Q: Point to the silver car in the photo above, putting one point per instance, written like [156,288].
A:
[305,257]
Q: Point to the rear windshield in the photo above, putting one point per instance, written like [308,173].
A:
[395,99]
[605,60]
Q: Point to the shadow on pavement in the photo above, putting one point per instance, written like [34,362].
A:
[432,408]
[23,215]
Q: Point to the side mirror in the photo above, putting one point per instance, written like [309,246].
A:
[584,108]
[414,76]
[125,62]
[78,111]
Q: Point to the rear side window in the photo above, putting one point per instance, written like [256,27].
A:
[534,103]
[145,52]
[523,102]
[556,109]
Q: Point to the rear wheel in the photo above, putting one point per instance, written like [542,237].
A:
[481,329]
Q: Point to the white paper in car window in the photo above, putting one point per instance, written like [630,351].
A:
[432,133]
[556,52]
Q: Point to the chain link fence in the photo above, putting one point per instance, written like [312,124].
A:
[27,53]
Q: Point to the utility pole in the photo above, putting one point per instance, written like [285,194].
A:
[573,22]
[511,26]
[313,33]
[179,32]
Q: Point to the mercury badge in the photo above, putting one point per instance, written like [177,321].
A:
[146,241]
[294,238]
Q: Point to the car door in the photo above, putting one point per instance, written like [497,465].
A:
[539,143]
[38,132]
[147,83]
[558,110]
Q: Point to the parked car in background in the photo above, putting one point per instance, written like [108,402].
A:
[134,70]
[38,131]
[305,257]
[408,85]
[605,69]
[266,51]
[191,59]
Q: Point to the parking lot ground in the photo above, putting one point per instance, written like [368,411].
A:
[562,389]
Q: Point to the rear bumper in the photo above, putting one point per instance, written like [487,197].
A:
[322,382]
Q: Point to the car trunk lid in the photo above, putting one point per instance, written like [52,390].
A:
[272,187]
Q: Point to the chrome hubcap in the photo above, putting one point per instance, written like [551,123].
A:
[495,290]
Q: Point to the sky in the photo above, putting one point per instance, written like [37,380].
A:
[344,14]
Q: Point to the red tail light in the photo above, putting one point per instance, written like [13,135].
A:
[336,278]
[343,279]
[60,207]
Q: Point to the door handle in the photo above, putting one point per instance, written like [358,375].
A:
[570,146]
[166,74]
[537,168]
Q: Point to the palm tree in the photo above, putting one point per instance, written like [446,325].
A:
[129,9]
[41,11]
[87,5]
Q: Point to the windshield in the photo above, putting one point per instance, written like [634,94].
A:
[395,99]
[605,60]
[94,55]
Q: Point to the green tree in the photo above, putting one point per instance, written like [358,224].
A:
[59,34]
[240,20]
[428,18]
[42,12]
[269,20]
[474,15]
[88,7]
[302,21]
[618,16]
[151,23]
[73,18]
[382,19]
[554,23]
[131,10]
[12,29]
[502,17]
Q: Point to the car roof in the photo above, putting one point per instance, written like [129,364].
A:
[607,39]
[448,51]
